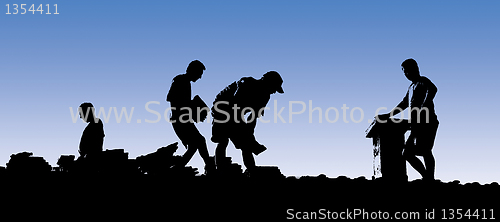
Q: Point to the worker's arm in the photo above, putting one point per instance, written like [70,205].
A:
[431,92]
[399,108]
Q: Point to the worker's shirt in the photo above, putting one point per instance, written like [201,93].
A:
[92,138]
[179,95]
[417,97]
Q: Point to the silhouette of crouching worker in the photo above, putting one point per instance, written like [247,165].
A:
[92,140]
[180,100]
[246,96]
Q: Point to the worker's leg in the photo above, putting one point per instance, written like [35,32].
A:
[191,137]
[430,165]
[422,145]
[426,143]
[409,154]
[186,157]
[220,151]
[414,162]
[201,146]
[248,159]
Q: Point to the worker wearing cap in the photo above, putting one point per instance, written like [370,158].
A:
[246,96]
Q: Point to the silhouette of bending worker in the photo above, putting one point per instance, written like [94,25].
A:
[246,96]
[182,105]
[423,119]
[93,135]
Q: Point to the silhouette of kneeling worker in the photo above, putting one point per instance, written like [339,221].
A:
[246,96]
[184,109]
[423,120]
[92,139]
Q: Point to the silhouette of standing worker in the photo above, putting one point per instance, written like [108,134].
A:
[423,120]
[246,96]
[180,100]
[92,137]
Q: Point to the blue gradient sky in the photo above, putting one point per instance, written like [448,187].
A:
[125,54]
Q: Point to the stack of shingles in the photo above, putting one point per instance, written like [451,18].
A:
[163,161]
[26,163]
[265,172]
[66,163]
[114,161]
[226,168]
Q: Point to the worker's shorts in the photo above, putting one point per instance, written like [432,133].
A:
[188,133]
[240,134]
[421,139]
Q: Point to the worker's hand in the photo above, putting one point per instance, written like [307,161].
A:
[259,148]
[383,117]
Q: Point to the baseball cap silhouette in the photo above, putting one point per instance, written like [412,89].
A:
[275,79]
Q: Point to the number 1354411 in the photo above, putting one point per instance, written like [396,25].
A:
[14,9]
